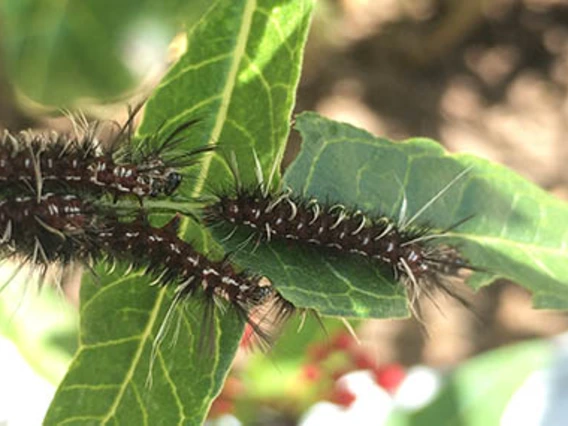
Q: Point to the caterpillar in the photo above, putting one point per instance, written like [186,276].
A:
[77,163]
[59,229]
[46,229]
[174,261]
[413,254]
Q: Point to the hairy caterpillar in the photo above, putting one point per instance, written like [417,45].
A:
[45,229]
[412,253]
[174,261]
[59,229]
[78,163]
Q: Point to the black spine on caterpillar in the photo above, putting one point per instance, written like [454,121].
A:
[174,261]
[79,164]
[47,229]
[413,255]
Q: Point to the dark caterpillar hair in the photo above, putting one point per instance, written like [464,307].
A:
[64,228]
[78,163]
[411,253]
[173,261]
[47,229]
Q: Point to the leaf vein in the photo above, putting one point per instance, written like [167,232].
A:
[137,356]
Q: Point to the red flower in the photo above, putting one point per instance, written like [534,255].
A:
[248,337]
[342,396]
[389,376]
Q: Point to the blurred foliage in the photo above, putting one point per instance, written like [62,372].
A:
[58,52]
[274,381]
[477,392]
[42,325]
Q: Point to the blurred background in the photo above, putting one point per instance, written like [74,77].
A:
[487,77]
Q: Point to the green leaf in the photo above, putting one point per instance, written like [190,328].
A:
[238,78]
[241,87]
[57,52]
[517,231]
[135,365]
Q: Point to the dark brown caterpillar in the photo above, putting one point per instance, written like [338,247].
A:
[59,229]
[78,164]
[44,230]
[413,254]
[173,261]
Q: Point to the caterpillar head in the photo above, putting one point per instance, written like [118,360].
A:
[166,184]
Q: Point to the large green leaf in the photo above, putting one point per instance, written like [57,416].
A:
[517,231]
[241,88]
[124,374]
[238,78]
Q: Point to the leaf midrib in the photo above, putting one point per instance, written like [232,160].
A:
[227,93]
[135,360]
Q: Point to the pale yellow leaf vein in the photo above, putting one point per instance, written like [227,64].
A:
[137,356]
[238,55]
